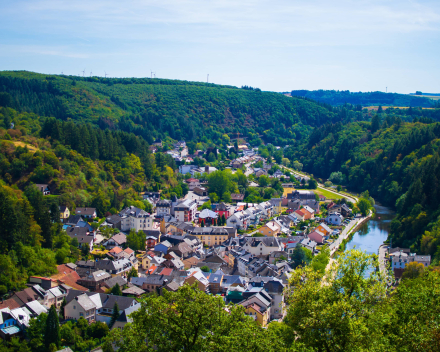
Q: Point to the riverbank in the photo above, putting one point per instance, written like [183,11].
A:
[346,235]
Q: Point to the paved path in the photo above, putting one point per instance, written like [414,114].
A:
[383,248]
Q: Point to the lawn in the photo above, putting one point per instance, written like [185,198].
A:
[327,194]
[288,190]
[32,149]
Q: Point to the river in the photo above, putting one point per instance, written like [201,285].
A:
[374,232]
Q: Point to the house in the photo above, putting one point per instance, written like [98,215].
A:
[323,228]
[185,210]
[322,198]
[64,213]
[114,221]
[114,267]
[112,281]
[223,209]
[299,194]
[133,291]
[163,207]
[239,220]
[116,240]
[207,217]
[262,246]
[94,279]
[99,307]
[278,174]
[309,213]
[345,210]
[258,307]
[8,324]
[400,259]
[207,169]
[237,197]
[135,218]
[255,214]
[334,219]
[83,236]
[266,208]
[81,306]
[271,228]
[277,205]
[200,191]
[260,172]
[317,236]
[273,288]
[309,244]
[88,213]
[151,283]
[299,214]
[184,169]
[212,235]
[182,250]
[197,277]
[43,188]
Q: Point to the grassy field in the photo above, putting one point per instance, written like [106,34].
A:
[31,148]
[394,107]
[327,194]
[287,191]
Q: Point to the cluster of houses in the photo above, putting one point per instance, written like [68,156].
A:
[182,246]
[399,258]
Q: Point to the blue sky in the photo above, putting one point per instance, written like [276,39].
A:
[274,45]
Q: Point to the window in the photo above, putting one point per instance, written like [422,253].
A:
[81,314]
[74,307]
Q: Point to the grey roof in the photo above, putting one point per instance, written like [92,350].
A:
[108,301]
[74,219]
[132,211]
[113,219]
[107,265]
[119,238]
[85,302]
[153,279]
[134,290]
[85,211]
[125,316]
[35,307]
[115,280]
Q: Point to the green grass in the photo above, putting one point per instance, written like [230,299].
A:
[327,194]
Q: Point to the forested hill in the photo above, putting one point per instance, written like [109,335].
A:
[336,97]
[153,108]
[397,162]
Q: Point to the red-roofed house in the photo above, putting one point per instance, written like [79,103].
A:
[299,214]
[166,271]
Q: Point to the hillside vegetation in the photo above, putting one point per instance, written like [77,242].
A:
[336,97]
[397,162]
[154,108]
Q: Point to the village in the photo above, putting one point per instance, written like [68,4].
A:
[241,251]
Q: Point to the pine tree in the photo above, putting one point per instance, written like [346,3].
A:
[115,315]
[52,333]
[63,305]
[116,290]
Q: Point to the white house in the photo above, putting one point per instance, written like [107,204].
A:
[185,210]
[163,207]
[262,246]
[334,219]
[135,218]
[266,208]
[184,169]
[238,220]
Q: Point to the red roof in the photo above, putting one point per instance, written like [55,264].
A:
[128,250]
[10,303]
[152,269]
[191,180]
[299,212]
[116,250]
[166,271]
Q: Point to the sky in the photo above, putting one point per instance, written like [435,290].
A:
[277,45]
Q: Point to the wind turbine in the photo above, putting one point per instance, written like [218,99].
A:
[90,73]
[207,79]
[84,72]
[105,74]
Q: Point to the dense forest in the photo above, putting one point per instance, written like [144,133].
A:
[156,108]
[336,97]
[83,166]
[396,161]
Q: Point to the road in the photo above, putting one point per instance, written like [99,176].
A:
[382,262]
[350,198]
